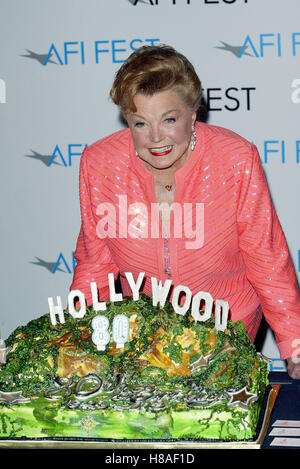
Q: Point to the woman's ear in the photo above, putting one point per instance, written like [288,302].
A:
[123,119]
[194,117]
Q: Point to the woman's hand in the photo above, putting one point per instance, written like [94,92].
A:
[293,367]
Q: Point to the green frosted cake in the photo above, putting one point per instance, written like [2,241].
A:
[171,378]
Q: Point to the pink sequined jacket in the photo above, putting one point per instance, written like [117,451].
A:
[240,255]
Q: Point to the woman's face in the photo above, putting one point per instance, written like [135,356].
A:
[161,129]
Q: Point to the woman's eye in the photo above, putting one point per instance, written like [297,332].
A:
[139,124]
[170,120]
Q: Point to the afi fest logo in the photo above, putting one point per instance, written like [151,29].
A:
[265,45]
[2,92]
[182,2]
[278,150]
[60,265]
[135,220]
[86,52]
[59,156]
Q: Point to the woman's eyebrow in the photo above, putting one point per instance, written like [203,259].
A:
[164,114]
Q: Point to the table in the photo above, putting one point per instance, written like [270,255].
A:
[286,407]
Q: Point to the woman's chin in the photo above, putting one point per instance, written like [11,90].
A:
[161,165]
[158,162]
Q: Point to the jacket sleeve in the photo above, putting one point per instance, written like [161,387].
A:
[269,267]
[93,258]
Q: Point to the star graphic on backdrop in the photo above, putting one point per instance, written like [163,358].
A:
[235,50]
[140,1]
[48,265]
[43,158]
[13,397]
[41,58]
[242,398]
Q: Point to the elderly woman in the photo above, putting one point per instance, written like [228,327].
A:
[179,199]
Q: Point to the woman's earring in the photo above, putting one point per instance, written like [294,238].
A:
[193,138]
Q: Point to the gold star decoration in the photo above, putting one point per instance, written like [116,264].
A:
[3,352]
[264,358]
[13,397]
[242,398]
[202,362]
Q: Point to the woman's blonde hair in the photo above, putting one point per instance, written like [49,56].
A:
[151,69]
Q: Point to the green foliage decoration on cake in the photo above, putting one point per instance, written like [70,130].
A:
[158,353]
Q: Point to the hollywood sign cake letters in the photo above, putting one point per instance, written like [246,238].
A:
[120,325]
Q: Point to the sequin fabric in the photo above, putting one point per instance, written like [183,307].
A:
[244,257]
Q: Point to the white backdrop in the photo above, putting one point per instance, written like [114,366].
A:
[58,59]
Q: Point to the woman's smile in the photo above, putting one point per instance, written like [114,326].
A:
[162,151]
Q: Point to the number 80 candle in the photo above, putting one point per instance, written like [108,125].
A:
[100,336]
[120,331]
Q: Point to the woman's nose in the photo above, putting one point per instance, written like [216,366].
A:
[156,134]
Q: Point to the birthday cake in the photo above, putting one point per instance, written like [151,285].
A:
[132,372]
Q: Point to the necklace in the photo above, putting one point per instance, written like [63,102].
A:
[169,187]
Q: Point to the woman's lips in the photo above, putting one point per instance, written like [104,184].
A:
[161,151]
